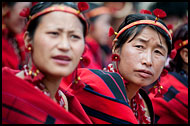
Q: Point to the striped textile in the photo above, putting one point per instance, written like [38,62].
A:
[103,97]
[172,108]
[23,104]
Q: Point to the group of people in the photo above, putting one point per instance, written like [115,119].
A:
[61,69]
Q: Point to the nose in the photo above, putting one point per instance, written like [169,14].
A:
[147,59]
[64,44]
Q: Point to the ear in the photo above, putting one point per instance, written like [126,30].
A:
[27,39]
[184,55]
[115,51]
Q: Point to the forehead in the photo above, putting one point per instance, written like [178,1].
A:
[150,34]
[61,18]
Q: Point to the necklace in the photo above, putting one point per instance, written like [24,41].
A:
[139,109]
[59,96]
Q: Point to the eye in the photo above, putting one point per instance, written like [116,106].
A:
[139,46]
[158,52]
[75,37]
[53,33]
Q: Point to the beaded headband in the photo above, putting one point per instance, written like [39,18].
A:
[158,24]
[157,12]
[81,6]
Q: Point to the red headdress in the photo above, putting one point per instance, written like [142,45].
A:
[82,6]
[98,11]
[143,11]
[157,12]
[178,45]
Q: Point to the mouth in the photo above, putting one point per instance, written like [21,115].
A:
[61,59]
[144,73]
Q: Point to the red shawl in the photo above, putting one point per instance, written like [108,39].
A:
[103,97]
[172,108]
[23,104]
[9,57]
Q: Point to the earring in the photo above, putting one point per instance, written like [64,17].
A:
[115,57]
[32,75]
[29,48]
[85,60]
[157,89]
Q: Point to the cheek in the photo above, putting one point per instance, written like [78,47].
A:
[78,50]
[158,66]
[128,61]
[41,50]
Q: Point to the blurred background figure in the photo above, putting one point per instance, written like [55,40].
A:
[176,12]
[98,40]
[120,10]
[13,48]
[173,107]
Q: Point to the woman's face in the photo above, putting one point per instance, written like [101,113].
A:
[142,59]
[14,21]
[101,28]
[58,43]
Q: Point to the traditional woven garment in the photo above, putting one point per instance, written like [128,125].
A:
[140,103]
[103,97]
[172,108]
[22,103]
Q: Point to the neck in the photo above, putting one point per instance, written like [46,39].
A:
[131,90]
[52,85]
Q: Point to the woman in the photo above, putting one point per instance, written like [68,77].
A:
[55,37]
[140,50]
[97,40]
[172,108]
[13,49]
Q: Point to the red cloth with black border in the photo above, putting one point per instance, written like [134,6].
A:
[103,97]
[22,103]
[172,108]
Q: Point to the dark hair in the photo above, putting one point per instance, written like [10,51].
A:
[43,5]
[9,4]
[181,33]
[138,28]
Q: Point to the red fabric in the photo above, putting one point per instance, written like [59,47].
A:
[101,102]
[22,103]
[94,53]
[173,111]
[9,57]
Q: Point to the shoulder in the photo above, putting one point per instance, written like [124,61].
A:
[8,71]
[95,75]
[105,83]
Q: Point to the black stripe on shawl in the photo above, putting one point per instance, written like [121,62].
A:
[103,116]
[180,78]
[119,82]
[110,83]
[21,112]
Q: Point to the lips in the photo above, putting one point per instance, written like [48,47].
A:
[145,73]
[61,59]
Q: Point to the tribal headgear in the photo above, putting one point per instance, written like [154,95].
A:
[157,12]
[177,45]
[98,11]
[82,6]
